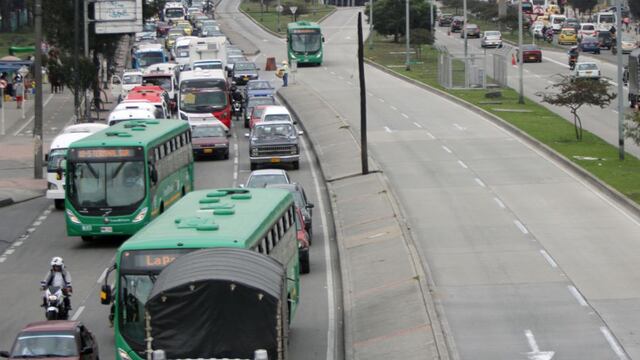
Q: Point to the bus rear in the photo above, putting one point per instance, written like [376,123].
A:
[304,43]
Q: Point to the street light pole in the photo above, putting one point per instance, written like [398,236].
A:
[85,12]
[464,26]
[520,57]
[370,24]
[76,56]
[432,28]
[620,90]
[37,116]
[408,67]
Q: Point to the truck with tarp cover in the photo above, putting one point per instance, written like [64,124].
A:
[634,77]
[219,303]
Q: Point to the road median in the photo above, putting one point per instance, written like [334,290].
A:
[388,309]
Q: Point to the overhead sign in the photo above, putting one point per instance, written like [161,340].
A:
[118,16]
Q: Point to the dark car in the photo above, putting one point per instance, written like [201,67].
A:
[300,197]
[210,140]
[445,20]
[531,53]
[232,59]
[605,40]
[54,339]
[257,88]
[244,71]
[274,143]
[456,23]
[590,44]
[472,30]
[255,101]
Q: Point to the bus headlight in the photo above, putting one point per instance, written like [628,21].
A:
[72,217]
[123,354]
[141,215]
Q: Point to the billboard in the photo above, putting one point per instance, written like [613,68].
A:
[118,16]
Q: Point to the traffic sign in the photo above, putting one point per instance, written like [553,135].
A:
[3,84]
[279,8]
[293,9]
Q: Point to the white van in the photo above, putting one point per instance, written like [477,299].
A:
[120,87]
[58,153]
[556,21]
[131,114]
[140,105]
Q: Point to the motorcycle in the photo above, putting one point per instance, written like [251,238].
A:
[236,108]
[572,62]
[548,36]
[54,305]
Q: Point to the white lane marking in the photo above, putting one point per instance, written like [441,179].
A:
[557,62]
[404,115]
[235,160]
[8,252]
[463,164]
[30,230]
[613,343]
[535,353]
[375,235]
[550,82]
[393,107]
[2,259]
[527,71]
[36,223]
[418,125]
[381,100]
[41,218]
[431,135]
[17,243]
[101,278]
[576,294]
[333,73]
[538,76]
[386,128]
[349,83]
[32,117]
[331,326]
[549,259]
[77,313]
[459,127]
[446,149]
[500,203]
[615,111]
[369,94]
[324,67]
[521,226]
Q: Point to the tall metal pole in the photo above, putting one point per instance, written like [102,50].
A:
[85,12]
[364,157]
[370,24]
[520,57]
[76,56]
[408,35]
[37,124]
[278,17]
[432,27]
[620,90]
[464,26]
[2,130]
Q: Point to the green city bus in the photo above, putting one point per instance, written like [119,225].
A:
[304,43]
[119,179]
[262,220]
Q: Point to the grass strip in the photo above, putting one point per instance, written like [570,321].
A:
[268,17]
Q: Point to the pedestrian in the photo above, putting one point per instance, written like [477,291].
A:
[285,73]
[19,89]
[626,23]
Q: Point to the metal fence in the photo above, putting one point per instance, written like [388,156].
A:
[475,71]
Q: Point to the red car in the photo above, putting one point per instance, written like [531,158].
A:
[531,53]
[54,339]
[256,115]
[303,243]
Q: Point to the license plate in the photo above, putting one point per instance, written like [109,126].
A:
[588,72]
[275,160]
[208,151]
[531,57]
[246,78]
[106,229]
[86,228]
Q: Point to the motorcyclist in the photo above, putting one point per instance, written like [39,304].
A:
[58,276]
[236,96]
[573,56]
[548,34]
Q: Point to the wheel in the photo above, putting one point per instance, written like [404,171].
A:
[59,204]
[253,166]
[296,165]
[226,155]
[305,267]
[86,238]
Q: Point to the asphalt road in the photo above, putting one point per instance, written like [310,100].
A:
[33,232]
[527,260]
[538,76]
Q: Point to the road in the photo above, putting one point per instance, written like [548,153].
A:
[527,260]
[34,232]
[538,76]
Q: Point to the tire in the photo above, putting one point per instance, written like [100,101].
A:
[253,166]
[87,238]
[296,165]
[246,123]
[305,267]
[226,155]
[59,204]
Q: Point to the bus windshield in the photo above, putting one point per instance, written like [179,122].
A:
[306,42]
[134,293]
[150,58]
[55,158]
[203,84]
[162,81]
[202,101]
[106,185]
[606,18]
[174,13]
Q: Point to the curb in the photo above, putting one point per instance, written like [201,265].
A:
[617,196]
[6,202]
[10,201]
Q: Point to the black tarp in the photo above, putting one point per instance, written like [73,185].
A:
[220,303]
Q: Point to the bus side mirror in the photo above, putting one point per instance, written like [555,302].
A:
[323,39]
[153,174]
[105,295]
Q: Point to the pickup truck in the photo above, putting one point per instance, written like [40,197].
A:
[274,143]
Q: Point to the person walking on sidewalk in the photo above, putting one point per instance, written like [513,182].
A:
[19,89]
[285,73]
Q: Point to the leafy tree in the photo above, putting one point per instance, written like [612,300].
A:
[584,5]
[420,37]
[575,93]
[632,130]
[393,13]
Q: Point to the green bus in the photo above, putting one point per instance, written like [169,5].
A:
[119,179]
[262,220]
[304,43]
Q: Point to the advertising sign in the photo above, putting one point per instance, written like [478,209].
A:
[118,16]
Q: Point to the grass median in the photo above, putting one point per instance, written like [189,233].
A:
[592,153]
[20,38]
[268,17]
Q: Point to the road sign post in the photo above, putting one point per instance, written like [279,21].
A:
[23,71]
[293,10]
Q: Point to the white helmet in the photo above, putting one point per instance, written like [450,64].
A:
[57,261]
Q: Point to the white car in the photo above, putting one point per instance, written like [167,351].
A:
[536,30]
[262,178]
[587,70]
[587,29]
[628,44]
[491,38]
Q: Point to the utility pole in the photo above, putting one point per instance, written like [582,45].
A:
[407,34]
[520,56]
[464,26]
[432,27]
[364,157]
[85,11]
[76,56]
[620,90]
[37,124]
[370,24]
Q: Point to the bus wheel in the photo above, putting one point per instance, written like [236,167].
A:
[59,204]
[86,238]
[305,267]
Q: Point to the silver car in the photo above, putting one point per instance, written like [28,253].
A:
[491,38]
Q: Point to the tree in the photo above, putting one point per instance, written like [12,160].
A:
[632,130]
[393,13]
[584,5]
[575,93]
[420,37]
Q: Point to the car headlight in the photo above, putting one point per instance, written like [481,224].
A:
[294,149]
[141,215]
[123,354]
[254,151]
[53,186]
[72,217]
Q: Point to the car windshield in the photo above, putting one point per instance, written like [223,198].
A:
[587,67]
[208,65]
[205,131]
[105,183]
[274,131]
[277,117]
[262,180]
[568,32]
[261,100]
[174,13]
[45,344]
[492,33]
[162,81]
[259,85]
[55,159]
[588,27]
[257,112]
[202,101]
[132,79]
[306,41]
[244,66]
[529,48]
